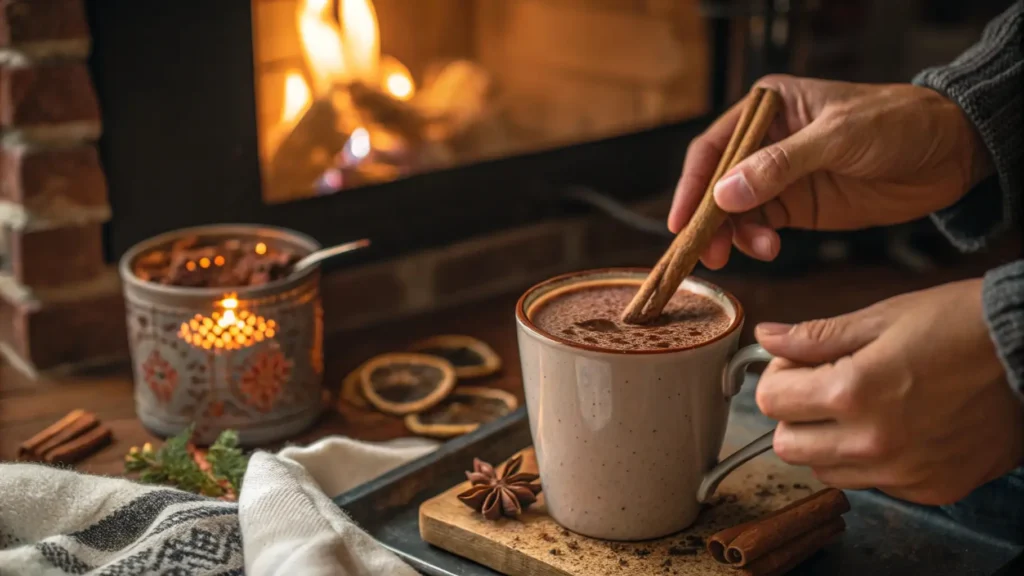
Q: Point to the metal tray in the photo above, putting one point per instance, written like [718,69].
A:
[884,536]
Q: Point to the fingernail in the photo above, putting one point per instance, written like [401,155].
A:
[773,328]
[733,194]
[763,246]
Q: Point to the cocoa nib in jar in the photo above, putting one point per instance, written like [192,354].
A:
[233,263]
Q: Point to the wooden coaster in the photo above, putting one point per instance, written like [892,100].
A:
[535,545]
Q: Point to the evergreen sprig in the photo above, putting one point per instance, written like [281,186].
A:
[177,463]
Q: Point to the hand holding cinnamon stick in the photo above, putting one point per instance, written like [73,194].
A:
[75,436]
[677,263]
[776,543]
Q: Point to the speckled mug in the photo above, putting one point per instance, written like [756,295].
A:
[627,442]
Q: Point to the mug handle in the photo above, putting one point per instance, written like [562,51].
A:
[732,381]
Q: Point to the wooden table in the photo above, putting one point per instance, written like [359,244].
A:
[28,406]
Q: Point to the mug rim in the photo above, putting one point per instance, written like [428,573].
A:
[525,321]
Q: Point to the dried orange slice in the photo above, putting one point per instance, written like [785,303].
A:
[471,357]
[351,388]
[462,412]
[402,384]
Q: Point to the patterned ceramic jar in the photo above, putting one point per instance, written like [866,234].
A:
[249,359]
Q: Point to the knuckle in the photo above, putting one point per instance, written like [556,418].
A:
[818,330]
[846,390]
[774,80]
[763,397]
[773,163]
[785,446]
[701,145]
[876,445]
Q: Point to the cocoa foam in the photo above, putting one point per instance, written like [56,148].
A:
[590,315]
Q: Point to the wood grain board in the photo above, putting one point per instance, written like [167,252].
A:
[535,545]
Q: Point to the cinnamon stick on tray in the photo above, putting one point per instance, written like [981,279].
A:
[774,544]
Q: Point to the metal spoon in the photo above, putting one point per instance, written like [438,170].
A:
[327,253]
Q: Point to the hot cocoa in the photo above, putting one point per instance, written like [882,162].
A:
[590,315]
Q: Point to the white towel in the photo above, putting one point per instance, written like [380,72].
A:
[56,522]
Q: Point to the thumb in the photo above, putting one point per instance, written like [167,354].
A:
[766,173]
[821,341]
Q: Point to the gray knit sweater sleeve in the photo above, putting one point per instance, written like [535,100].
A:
[985,81]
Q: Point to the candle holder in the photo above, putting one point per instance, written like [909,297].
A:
[248,358]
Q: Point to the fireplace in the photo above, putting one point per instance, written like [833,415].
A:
[453,133]
[485,138]
[447,131]
[357,92]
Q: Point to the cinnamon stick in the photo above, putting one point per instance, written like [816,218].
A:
[28,448]
[681,257]
[719,541]
[82,446]
[773,532]
[79,426]
[793,553]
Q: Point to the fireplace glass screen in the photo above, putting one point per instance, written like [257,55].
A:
[358,92]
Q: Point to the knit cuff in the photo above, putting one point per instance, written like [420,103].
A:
[1003,301]
[985,82]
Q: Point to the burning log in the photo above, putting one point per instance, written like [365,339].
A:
[307,150]
[455,99]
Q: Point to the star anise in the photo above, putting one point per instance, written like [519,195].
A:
[507,495]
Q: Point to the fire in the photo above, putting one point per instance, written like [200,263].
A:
[359,143]
[396,79]
[362,38]
[342,50]
[322,45]
[296,97]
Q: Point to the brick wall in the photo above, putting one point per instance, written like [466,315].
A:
[59,302]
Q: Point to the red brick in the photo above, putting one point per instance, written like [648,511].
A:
[499,257]
[35,177]
[54,257]
[29,21]
[66,333]
[362,292]
[46,95]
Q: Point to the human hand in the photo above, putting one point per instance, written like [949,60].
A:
[844,156]
[907,396]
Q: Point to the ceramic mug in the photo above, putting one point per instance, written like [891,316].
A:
[627,442]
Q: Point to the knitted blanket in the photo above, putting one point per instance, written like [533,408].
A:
[56,522]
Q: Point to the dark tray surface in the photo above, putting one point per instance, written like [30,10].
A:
[884,536]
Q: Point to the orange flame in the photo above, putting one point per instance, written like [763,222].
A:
[395,79]
[296,97]
[322,45]
[362,38]
[341,51]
